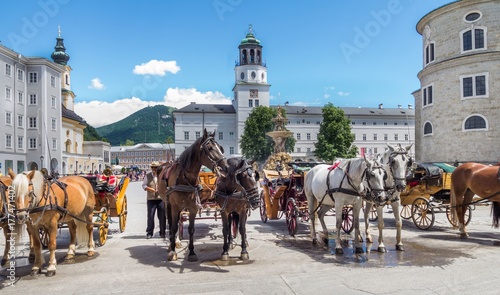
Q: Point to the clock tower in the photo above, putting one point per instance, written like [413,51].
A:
[250,88]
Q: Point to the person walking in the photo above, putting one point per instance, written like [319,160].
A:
[154,202]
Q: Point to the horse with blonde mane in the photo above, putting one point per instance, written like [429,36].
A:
[471,179]
[43,204]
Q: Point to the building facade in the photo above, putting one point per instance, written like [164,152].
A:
[458,101]
[141,155]
[373,127]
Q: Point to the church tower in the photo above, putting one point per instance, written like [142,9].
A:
[250,88]
[60,57]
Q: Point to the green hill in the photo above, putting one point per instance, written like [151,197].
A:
[151,124]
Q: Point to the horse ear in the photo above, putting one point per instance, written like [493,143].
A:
[205,133]
[11,173]
[391,148]
[31,174]
[409,147]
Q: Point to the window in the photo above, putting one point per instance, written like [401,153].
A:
[375,136]
[20,142]
[221,135]
[473,39]
[54,124]
[231,150]
[32,122]
[8,93]
[8,118]
[472,16]
[385,123]
[428,128]
[308,122]
[186,135]
[52,81]
[364,136]
[385,137]
[20,75]
[32,143]
[53,102]
[353,123]
[429,53]
[33,77]
[308,150]
[374,123]
[20,97]
[20,121]
[8,70]
[32,99]
[257,103]
[197,134]
[364,123]
[250,103]
[299,150]
[298,136]
[475,122]
[395,123]
[375,150]
[8,141]
[428,95]
[396,137]
[308,136]
[231,135]
[54,143]
[475,85]
[406,137]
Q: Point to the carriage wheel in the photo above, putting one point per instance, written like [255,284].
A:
[422,213]
[405,212]
[291,216]
[467,216]
[347,219]
[103,228]
[44,238]
[373,215]
[263,212]
[123,215]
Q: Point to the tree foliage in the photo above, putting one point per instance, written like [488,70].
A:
[335,137]
[255,144]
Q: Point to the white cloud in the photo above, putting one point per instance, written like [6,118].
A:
[157,67]
[342,93]
[180,97]
[99,113]
[327,96]
[96,84]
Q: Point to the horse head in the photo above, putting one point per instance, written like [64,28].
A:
[375,176]
[398,160]
[212,153]
[240,177]
[28,191]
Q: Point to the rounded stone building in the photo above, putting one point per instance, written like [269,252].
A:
[457,108]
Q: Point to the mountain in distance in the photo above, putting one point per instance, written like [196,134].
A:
[148,125]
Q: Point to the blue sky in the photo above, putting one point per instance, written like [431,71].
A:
[126,55]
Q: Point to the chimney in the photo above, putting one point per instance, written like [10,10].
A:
[399,106]
[410,106]
[381,106]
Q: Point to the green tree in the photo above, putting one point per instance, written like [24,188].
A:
[335,137]
[129,142]
[255,144]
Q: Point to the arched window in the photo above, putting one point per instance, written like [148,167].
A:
[244,57]
[252,56]
[473,39]
[475,122]
[67,79]
[428,128]
[68,146]
[258,56]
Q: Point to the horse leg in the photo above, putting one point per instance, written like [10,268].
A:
[461,209]
[174,227]
[356,208]
[312,203]
[31,256]
[192,256]
[37,249]
[399,224]
[90,231]
[243,232]
[380,213]
[368,207]
[70,255]
[6,233]
[51,269]
[321,216]
[225,233]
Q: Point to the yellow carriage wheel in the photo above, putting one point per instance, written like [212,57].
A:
[103,228]
[405,212]
[467,216]
[123,215]
[422,213]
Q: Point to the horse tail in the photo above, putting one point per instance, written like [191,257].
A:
[312,202]
[495,211]
[82,235]
[18,231]
[453,206]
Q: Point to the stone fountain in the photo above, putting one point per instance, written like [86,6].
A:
[279,136]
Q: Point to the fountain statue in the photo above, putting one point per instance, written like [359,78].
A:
[279,136]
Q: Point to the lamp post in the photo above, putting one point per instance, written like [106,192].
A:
[41,162]
[89,164]
[76,168]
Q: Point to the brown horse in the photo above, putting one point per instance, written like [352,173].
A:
[471,179]
[43,204]
[235,193]
[6,217]
[183,186]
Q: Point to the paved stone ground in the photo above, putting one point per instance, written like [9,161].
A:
[436,261]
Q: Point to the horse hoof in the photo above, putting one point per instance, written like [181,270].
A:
[315,242]
[359,251]
[400,248]
[35,271]
[244,256]
[464,235]
[69,257]
[192,258]
[172,256]
[382,250]
[178,245]
[50,273]
[90,254]
[224,257]
[339,251]
[4,262]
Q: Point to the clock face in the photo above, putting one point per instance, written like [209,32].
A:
[254,93]
[242,75]
[253,75]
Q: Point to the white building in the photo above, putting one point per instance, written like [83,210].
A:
[459,97]
[373,127]
[141,155]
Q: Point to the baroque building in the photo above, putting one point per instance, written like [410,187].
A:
[457,105]
[373,127]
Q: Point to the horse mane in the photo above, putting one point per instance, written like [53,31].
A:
[21,183]
[186,157]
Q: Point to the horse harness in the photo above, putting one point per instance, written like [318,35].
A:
[4,210]
[392,189]
[237,194]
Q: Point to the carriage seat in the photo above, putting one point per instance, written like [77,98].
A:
[106,183]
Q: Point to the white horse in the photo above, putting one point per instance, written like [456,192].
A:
[395,160]
[346,183]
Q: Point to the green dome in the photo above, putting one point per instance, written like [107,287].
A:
[59,55]
[250,38]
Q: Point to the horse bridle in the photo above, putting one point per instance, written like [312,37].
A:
[393,155]
[370,196]
[242,192]
[205,149]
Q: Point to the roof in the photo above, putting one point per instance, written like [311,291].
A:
[153,145]
[71,115]
[207,108]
